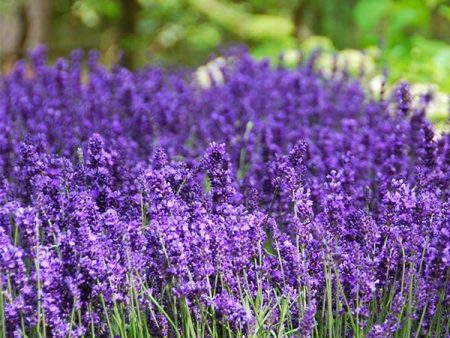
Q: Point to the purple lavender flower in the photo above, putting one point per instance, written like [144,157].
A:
[145,193]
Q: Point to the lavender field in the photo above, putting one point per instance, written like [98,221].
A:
[273,202]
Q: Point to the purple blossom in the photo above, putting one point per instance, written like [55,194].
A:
[273,184]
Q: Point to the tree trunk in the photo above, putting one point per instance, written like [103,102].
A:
[130,10]
[22,28]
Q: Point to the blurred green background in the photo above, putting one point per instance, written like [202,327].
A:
[411,36]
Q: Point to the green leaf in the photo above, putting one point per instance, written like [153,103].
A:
[204,36]
[368,13]
[264,27]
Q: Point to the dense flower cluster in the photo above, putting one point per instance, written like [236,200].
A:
[276,199]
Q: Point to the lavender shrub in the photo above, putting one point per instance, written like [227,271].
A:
[286,202]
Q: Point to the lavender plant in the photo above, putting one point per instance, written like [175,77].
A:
[275,202]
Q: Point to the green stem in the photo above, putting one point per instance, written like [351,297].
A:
[2,309]
[105,311]
[161,309]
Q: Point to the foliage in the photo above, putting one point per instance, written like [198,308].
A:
[411,36]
